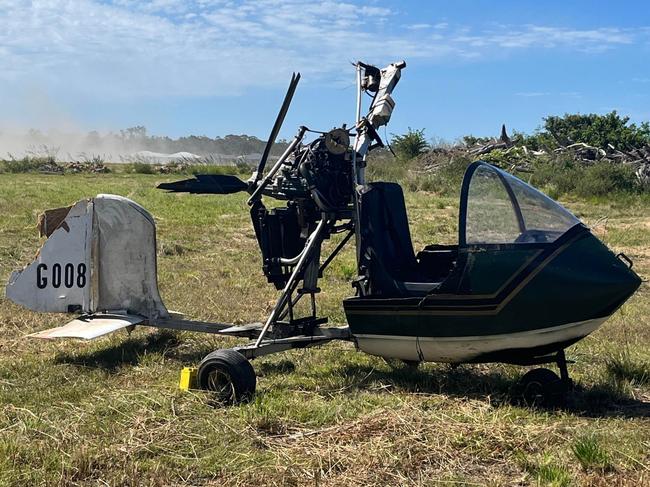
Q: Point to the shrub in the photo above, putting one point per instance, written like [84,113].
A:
[140,168]
[556,178]
[604,178]
[563,177]
[31,164]
[410,145]
[382,166]
[470,140]
[444,178]
[592,129]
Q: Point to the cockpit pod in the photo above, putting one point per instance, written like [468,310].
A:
[526,279]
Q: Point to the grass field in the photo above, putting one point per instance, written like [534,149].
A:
[108,412]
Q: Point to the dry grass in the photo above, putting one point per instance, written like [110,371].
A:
[108,413]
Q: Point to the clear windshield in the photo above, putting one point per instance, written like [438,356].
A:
[501,208]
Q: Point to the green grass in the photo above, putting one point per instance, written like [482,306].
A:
[109,412]
[624,366]
[591,455]
[548,473]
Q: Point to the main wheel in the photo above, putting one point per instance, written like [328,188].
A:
[227,374]
[542,388]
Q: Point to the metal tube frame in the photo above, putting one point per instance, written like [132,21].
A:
[335,252]
[355,169]
[260,187]
[294,301]
[314,239]
[286,301]
[320,337]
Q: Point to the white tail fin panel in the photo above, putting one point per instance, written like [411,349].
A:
[90,327]
[126,261]
[100,256]
[59,279]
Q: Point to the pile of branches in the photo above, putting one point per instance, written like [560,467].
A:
[48,166]
[638,158]
[86,166]
[437,157]
[586,154]
[176,167]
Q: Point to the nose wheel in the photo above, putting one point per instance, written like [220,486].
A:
[544,388]
[228,375]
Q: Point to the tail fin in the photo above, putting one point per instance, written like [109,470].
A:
[100,255]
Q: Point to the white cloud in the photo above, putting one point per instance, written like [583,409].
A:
[209,47]
[532,94]
[172,47]
[537,94]
[418,26]
[535,36]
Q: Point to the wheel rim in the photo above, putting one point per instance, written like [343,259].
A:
[220,384]
[534,393]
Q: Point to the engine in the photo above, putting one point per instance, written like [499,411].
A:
[315,179]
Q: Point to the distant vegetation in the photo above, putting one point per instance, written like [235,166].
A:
[592,129]
[412,144]
[117,146]
[96,164]
[595,130]
[583,155]
[136,138]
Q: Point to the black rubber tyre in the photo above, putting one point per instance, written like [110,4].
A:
[227,374]
[542,388]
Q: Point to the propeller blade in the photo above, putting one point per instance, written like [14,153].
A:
[207,184]
[295,77]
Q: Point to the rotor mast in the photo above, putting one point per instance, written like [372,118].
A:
[380,83]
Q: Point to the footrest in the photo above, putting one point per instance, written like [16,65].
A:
[303,290]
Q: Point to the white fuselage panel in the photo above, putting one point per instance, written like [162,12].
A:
[465,349]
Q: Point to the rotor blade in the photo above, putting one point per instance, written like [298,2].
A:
[295,77]
[207,184]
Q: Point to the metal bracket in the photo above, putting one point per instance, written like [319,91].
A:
[626,259]
[320,337]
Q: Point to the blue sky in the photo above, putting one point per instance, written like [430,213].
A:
[215,67]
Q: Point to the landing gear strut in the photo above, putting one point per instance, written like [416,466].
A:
[544,388]
[564,373]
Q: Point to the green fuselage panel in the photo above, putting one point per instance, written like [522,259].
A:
[505,289]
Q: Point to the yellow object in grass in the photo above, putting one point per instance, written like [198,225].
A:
[188,379]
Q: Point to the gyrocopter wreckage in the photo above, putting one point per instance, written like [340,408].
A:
[525,281]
